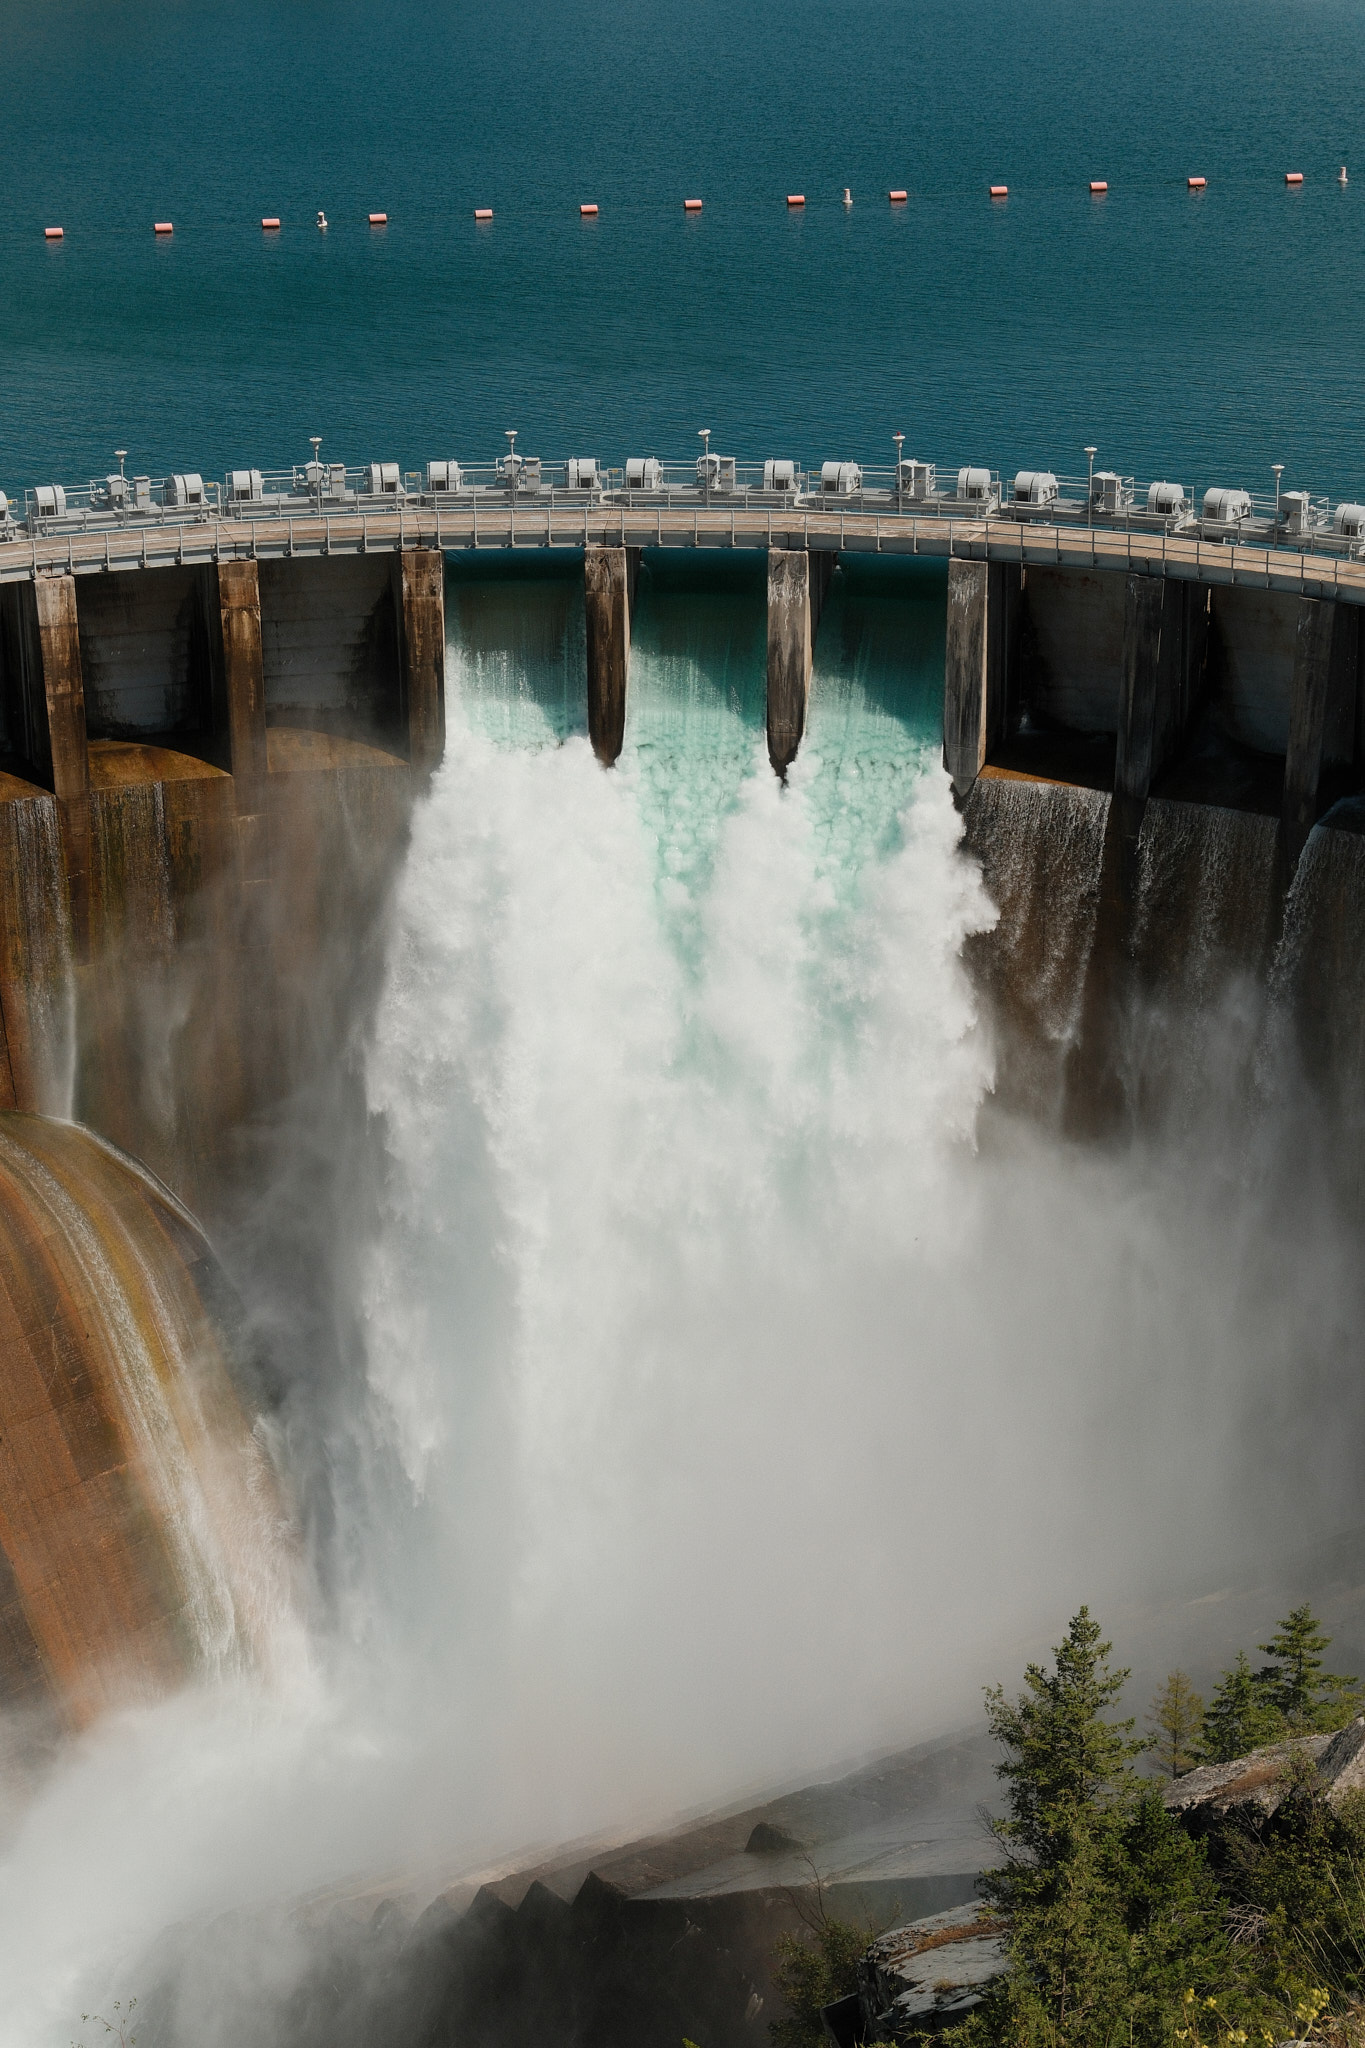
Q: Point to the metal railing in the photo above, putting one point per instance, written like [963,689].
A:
[1293,521]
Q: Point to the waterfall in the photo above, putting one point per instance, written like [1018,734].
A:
[705,1390]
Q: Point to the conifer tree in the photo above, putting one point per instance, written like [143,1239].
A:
[1240,1717]
[1112,1911]
[1176,1717]
[1294,1681]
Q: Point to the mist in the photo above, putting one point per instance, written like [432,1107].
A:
[720,1377]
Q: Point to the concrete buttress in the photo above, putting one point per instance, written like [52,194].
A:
[797,582]
[1322,696]
[608,593]
[419,575]
[64,692]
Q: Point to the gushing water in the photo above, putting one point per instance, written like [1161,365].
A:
[725,1411]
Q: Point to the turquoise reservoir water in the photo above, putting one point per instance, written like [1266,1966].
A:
[1201,337]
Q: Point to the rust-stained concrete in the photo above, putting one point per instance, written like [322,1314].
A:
[136,1511]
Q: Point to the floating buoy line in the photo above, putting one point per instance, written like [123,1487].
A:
[899,195]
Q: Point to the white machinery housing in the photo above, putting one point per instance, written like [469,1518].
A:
[243,485]
[1167,500]
[49,501]
[1224,507]
[444,476]
[1110,492]
[917,480]
[381,480]
[840,479]
[974,484]
[183,489]
[580,473]
[1349,521]
[1296,510]
[779,475]
[1035,487]
[715,472]
[644,473]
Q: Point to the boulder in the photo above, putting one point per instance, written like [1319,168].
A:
[1205,1796]
[929,1974]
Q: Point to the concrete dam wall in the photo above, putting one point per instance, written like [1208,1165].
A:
[206,777]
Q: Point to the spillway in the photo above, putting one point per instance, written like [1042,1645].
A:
[142,1533]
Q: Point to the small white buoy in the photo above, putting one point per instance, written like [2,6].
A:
[322,218]
[1341,175]
[848,197]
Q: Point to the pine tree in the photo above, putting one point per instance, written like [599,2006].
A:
[1239,1718]
[1070,1782]
[1294,1681]
[1176,1717]
[1112,1912]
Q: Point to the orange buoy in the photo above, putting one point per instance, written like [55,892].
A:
[898,198]
[1196,184]
[691,206]
[271,221]
[379,220]
[1293,177]
[483,213]
[796,199]
[589,210]
[162,227]
[53,234]
[1098,186]
[1000,191]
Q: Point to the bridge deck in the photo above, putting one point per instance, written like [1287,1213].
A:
[466,525]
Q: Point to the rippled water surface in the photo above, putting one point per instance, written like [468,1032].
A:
[1197,336]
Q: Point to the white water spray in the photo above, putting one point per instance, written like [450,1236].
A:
[744,1414]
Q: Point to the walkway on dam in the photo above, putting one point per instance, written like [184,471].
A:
[821,528]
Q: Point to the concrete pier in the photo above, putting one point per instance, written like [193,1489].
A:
[1161,689]
[239,613]
[797,583]
[64,692]
[608,594]
[980,664]
[1322,717]
[243,693]
[419,594]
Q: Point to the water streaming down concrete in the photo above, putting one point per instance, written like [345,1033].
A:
[141,1532]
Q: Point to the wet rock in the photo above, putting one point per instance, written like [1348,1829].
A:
[930,1974]
[1260,1780]
[767,1840]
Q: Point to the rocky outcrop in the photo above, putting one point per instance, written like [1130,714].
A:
[1259,1782]
[928,1975]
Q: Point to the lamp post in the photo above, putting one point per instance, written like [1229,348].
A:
[315,442]
[1278,468]
[704,435]
[1090,489]
[510,472]
[899,440]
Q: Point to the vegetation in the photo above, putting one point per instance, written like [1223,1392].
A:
[120,2026]
[1176,1721]
[1239,1717]
[815,1968]
[1126,1928]
[1292,1695]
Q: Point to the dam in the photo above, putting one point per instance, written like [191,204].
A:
[173,659]
[250,798]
